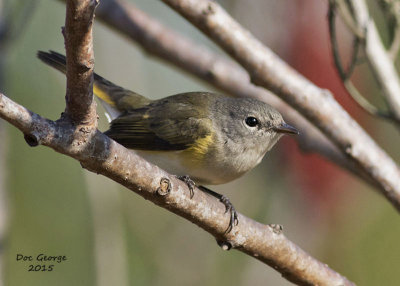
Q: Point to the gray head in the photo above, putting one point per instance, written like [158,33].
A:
[250,128]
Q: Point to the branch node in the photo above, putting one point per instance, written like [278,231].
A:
[225,245]
[32,139]
[348,149]
[276,228]
[85,129]
[210,75]
[209,10]
[164,188]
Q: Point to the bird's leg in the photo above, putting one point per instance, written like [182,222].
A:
[233,221]
[228,207]
[189,182]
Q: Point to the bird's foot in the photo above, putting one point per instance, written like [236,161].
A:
[233,221]
[189,182]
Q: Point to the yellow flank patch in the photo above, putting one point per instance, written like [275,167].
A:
[102,95]
[200,148]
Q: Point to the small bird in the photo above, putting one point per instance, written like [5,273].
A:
[202,137]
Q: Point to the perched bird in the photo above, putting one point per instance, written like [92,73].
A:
[205,137]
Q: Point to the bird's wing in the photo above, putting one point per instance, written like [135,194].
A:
[161,127]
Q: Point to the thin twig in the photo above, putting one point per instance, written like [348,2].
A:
[391,11]
[345,75]
[348,18]
[319,106]
[354,57]
[334,45]
[395,46]
[363,102]
[103,156]
[379,60]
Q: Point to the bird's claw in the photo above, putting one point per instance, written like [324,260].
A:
[233,221]
[189,182]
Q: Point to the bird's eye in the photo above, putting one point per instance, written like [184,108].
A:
[251,121]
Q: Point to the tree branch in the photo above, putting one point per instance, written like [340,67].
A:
[223,73]
[380,61]
[104,156]
[391,11]
[81,107]
[317,105]
[346,75]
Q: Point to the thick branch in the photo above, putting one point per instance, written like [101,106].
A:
[81,107]
[103,156]
[318,105]
[223,73]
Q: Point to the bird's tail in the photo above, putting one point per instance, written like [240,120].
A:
[114,98]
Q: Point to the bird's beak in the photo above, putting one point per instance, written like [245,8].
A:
[286,128]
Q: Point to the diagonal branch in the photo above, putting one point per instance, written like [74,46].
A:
[223,73]
[317,105]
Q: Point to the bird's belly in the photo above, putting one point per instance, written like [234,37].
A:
[203,173]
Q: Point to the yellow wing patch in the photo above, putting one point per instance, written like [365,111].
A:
[103,95]
[200,148]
